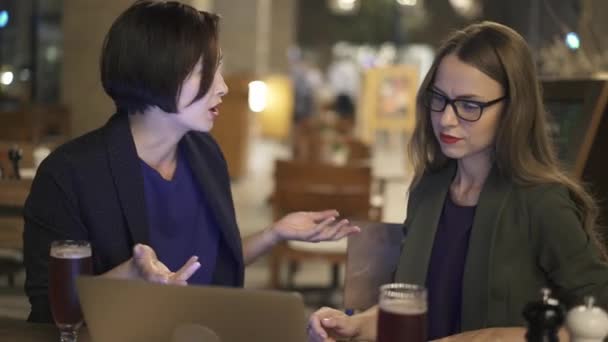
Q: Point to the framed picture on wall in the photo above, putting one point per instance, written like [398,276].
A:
[388,100]
[393,102]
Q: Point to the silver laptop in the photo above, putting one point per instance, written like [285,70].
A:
[134,311]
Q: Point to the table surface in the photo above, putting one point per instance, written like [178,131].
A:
[19,330]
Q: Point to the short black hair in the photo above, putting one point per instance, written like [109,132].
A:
[150,50]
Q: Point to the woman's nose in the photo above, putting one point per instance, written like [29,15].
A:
[448,116]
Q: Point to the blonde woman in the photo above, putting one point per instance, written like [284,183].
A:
[491,217]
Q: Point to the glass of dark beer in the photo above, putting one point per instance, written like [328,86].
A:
[68,260]
[402,313]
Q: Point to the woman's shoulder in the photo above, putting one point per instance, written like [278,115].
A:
[545,199]
[82,151]
[540,191]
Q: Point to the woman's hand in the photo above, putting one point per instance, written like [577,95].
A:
[151,269]
[330,325]
[145,265]
[312,226]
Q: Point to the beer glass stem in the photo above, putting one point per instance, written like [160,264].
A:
[68,334]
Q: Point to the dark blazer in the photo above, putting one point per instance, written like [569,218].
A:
[523,238]
[92,189]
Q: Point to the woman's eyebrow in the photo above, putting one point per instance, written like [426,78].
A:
[463,96]
[437,89]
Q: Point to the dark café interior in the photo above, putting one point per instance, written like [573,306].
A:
[303,170]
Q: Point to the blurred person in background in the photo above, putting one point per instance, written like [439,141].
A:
[343,78]
[308,85]
[307,80]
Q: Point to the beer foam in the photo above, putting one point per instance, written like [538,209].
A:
[71,252]
[403,306]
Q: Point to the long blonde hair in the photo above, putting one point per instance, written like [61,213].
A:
[523,149]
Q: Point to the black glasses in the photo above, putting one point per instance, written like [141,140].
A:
[467,110]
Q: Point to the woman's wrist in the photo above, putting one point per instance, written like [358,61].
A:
[272,236]
[365,324]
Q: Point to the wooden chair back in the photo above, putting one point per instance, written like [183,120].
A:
[303,186]
[371,259]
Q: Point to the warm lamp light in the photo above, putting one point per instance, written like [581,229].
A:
[258,96]
[6,77]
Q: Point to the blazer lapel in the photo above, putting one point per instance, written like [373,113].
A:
[421,225]
[477,271]
[129,183]
[219,201]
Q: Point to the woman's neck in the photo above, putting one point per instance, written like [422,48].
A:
[471,175]
[156,137]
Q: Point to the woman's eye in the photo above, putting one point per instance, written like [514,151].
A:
[437,98]
[470,106]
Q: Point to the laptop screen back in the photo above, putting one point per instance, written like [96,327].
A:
[121,311]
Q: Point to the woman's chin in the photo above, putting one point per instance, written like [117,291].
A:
[452,153]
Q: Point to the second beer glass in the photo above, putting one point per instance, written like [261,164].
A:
[402,313]
[68,260]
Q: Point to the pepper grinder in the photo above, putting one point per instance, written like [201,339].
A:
[544,318]
[15,154]
[587,323]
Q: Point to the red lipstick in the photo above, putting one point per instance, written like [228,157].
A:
[448,139]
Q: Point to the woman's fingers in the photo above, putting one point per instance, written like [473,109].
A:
[326,324]
[339,325]
[145,261]
[186,271]
[157,272]
[327,231]
[144,252]
[153,270]
[318,229]
[314,326]
[162,268]
[319,216]
[345,231]
[151,273]
[335,232]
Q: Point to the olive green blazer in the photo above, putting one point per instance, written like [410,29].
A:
[522,239]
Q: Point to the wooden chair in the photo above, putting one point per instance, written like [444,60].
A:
[310,187]
[314,141]
[306,141]
[358,152]
[372,258]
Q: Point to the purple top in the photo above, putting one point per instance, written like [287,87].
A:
[446,267]
[180,221]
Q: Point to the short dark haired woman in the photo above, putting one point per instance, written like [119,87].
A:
[150,189]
